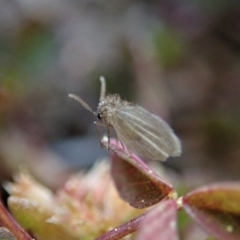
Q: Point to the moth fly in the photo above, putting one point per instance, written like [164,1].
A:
[140,131]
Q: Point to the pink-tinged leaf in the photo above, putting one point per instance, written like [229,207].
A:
[216,208]
[7,221]
[136,183]
[160,222]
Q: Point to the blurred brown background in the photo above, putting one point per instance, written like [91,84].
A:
[177,58]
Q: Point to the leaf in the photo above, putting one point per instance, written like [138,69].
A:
[160,222]
[136,183]
[216,208]
[38,219]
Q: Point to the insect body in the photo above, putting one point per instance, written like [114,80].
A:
[140,131]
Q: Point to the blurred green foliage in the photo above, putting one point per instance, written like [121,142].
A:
[169,46]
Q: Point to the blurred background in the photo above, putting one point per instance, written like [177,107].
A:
[176,58]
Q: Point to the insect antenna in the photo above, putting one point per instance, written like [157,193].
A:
[84,104]
[103,88]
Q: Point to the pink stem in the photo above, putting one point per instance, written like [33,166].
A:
[7,221]
[123,230]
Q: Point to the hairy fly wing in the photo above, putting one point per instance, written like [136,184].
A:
[141,131]
[144,133]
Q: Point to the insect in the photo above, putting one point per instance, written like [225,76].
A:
[140,131]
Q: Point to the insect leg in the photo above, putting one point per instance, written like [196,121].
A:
[108,134]
[125,148]
[97,124]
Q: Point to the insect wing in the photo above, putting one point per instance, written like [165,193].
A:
[145,134]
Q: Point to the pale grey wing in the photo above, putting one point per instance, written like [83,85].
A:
[145,134]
